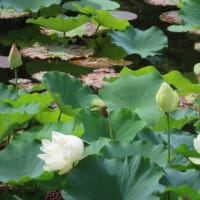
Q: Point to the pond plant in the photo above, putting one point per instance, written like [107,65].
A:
[135,137]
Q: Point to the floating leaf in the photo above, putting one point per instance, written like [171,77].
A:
[103,62]
[120,14]
[98,178]
[171,17]
[95,4]
[4,62]
[26,164]
[7,92]
[145,43]
[60,24]
[55,51]
[10,13]
[138,95]
[33,6]
[162,2]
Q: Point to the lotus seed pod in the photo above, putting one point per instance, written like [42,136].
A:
[14,58]
[98,107]
[166,98]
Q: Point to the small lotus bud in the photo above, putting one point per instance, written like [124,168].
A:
[98,107]
[14,58]
[167,99]
[197,70]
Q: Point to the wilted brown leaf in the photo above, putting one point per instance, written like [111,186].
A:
[9,13]
[171,17]
[54,51]
[92,62]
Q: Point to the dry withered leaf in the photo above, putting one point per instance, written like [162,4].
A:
[97,79]
[162,2]
[56,52]
[10,13]
[171,17]
[92,62]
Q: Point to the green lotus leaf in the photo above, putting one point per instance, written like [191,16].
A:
[138,95]
[19,162]
[95,4]
[95,127]
[68,92]
[146,43]
[106,19]
[7,92]
[190,13]
[184,85]
[25,36]
[125,124]
[33,6]
[73,127]
[184,183]
[156,153]
[127,179]
[59,23]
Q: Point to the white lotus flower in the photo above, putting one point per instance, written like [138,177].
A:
[196,143]
[60,153]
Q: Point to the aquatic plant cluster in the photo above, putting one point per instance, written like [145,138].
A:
[86,131]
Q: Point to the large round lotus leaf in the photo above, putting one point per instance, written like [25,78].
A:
[19,162]
[183,183]
[98,178]
[190,12]
[136,93]
[145,43]
[7,92]
[60,24]
[33,6]
[98,5]
[156,153]
[68,92]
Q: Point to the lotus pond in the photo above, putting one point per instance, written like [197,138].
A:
[99,101]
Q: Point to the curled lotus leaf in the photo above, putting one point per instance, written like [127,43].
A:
[88,29]
[171,17]
[55,51]
[103,62]
[10,13]
[162,2]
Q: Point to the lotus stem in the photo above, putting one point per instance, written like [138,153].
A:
[110,128]
[168,139]
[59,116]
[16,81]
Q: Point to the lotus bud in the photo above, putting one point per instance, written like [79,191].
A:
[166,98]
[98,107]
[14,58]
[196,144]
[197,70]
[60,153]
